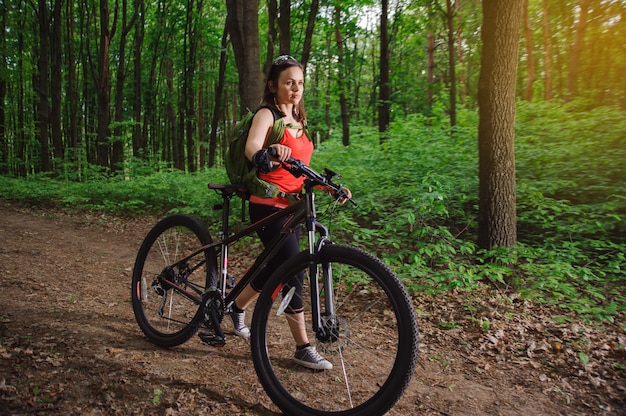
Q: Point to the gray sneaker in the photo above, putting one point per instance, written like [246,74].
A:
[239,324]
[310,358]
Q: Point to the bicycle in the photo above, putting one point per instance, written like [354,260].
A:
[358,309]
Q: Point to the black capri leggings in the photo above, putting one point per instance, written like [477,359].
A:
[290,248]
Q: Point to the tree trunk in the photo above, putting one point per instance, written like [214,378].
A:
[189,94]
[530,60]
[272,18]
[430,52]
[103,86]
[56,84]
[117,154]
[140,148]
[72,91]
[242,21]
[21,135]
[384,97]
[4,144]
[343,102]
[284,27]
[462,81]
[219,100]
[451,62]
[496,134]
[577,47]
[308,34]
[547,53]
[42,82]
[174,144]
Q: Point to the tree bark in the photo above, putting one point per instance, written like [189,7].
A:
[219,100]
[43,84]
[140,148]
[530,60]
[272,18]
[103,85]
[496,134]
[189,94]
[343,102]
[547,53]
[430,52]
[577,47]
[117,154]
[242,21]
[384,97]
[451,62]
[72,91]
[308,34]
[56,84]
[284,27]
[4,144]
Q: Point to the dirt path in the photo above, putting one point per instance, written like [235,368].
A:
[69,343]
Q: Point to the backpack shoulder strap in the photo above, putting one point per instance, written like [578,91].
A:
[278,129]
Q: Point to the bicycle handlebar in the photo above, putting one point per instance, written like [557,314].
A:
[298,168]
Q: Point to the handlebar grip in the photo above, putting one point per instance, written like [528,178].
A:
[272,151]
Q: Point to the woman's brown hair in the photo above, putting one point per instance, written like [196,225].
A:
[269,98]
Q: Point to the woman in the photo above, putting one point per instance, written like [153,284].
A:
[283,92]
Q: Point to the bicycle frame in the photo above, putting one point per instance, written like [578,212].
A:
[302,211]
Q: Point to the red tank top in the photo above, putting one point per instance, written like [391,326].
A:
[302,149]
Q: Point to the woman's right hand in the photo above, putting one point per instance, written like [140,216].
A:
[280,153]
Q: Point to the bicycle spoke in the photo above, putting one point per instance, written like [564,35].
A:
[372,343]
[167,295]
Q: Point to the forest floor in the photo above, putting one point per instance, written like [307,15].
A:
[69,343]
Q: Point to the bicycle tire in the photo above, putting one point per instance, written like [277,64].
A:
[165,316]
[373,354]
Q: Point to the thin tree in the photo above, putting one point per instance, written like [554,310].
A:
[4,144]
[430,53]
[43,108]
[56,81]
[343,101]
[272,18]
[547,53]
[103,83]
[451,61]
[496,133]
[308,34]
[140,148]
[219,92]
[530,60]
[72,89]
[577,47]
[117,154]
[384,96]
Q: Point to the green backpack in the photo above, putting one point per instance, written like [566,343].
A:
[239,169]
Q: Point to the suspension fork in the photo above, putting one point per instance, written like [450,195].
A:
[314,227]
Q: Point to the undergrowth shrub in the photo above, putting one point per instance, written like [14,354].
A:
[417,203]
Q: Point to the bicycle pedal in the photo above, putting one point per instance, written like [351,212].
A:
[212,339]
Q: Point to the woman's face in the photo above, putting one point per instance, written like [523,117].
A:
[290,86]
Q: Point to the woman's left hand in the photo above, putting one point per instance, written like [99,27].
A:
[342,199]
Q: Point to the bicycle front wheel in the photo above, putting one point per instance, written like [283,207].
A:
[371,338]
[166,296]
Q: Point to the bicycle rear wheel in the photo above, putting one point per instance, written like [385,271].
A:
[372,344]
[166,300]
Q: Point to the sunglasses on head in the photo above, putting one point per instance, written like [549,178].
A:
[282,59]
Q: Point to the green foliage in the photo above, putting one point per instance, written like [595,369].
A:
[160,192]
[417,199]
